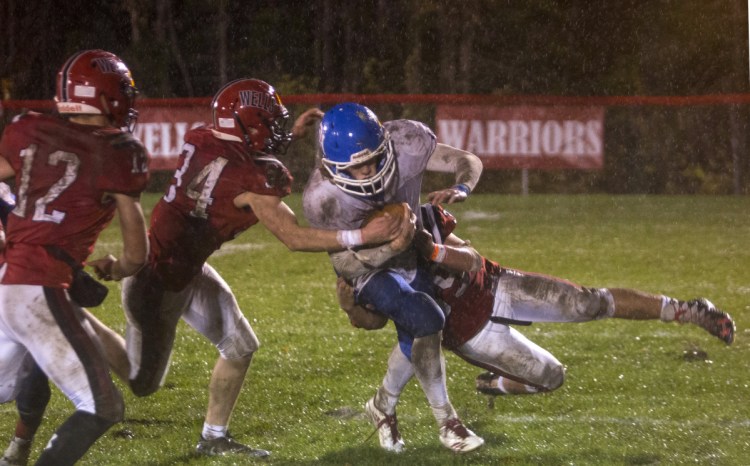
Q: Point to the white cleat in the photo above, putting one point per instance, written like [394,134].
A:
[387,427]
[458,438]
[17,453]
[703,313]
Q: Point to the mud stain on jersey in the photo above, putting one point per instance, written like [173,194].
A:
[329,209]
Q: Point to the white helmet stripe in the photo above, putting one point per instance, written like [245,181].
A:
[64,75]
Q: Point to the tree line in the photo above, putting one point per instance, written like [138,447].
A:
[554,47]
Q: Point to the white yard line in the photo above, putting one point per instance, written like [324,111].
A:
[234,248]
[479,215]
[633,421]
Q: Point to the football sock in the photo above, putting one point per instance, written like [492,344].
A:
[521,386]
[530,389]
[500,385]
[669,307]
[21,441]
[385,401]
[211,431]
[33,395]
[400,371]
[443,413]
[429,368]
[73,438]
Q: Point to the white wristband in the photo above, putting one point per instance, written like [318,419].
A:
[349,238]
[438,253]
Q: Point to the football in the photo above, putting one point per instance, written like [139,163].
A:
[397,210]
[402,212]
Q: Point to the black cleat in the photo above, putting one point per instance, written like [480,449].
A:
[222,445]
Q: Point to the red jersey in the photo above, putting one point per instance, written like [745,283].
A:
[64,172]
[197,214]
[470,297]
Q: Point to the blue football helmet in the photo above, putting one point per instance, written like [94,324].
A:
[350,135]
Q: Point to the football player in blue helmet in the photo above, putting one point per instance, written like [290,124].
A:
[351,135]
[365,165]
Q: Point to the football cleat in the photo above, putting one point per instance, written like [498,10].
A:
[487,384]
[703,313]
[454,435]
[17,453]
[387,427]
[222,445]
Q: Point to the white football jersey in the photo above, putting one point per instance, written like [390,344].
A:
[328,207]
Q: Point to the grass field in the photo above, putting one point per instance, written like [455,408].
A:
[635,392]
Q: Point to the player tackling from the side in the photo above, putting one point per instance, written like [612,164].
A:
[482,299]
[228,180]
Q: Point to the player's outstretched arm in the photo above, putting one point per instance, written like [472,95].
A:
[134,240]
[466,166]
[455,254]
[114,347]
[281,220]
[308,118]
[6,170]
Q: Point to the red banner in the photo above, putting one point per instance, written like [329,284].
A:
[161,129]
[536,137]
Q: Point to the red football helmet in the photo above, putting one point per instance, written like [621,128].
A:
[250,111]
[97,82]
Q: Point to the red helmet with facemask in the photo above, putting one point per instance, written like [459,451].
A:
[250,111]
[97,82]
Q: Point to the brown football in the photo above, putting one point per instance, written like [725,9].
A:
[397,210]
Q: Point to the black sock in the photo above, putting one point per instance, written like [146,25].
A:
[32,399]
[72,439]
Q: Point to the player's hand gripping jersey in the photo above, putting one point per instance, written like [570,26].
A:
[63,172]
[197,214]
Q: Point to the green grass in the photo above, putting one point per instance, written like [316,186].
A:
[631,396]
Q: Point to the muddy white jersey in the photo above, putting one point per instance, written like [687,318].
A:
[328,207]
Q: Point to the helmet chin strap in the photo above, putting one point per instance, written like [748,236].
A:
[243,128]
[89,119]
[107,113]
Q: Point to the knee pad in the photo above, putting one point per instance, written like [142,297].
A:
[241,343]
[149,353]
[33,397]
[113,410]
[554,377]
[429,317]
[596,303]
[413,311]
[73,438]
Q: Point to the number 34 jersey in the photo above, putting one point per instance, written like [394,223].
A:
[64,172]
[197,214]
